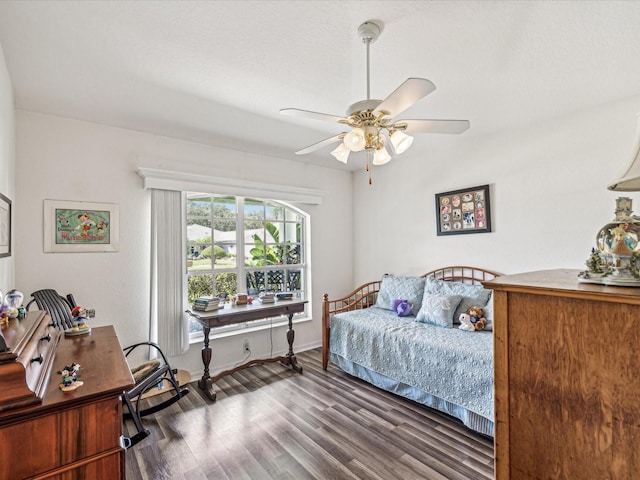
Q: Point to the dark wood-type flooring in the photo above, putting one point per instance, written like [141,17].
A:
[271,423]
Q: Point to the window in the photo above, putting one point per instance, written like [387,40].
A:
[239,244]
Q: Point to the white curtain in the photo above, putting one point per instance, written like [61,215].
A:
[169,323]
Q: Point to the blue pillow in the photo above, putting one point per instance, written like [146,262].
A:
[488,314]
[410,289]
[471,294]
[438,309]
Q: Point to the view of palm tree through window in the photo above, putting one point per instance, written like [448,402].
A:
[242,245]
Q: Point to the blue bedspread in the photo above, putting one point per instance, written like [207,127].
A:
[449,363]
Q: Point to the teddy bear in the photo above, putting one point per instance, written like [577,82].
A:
[402,307]
[473,320]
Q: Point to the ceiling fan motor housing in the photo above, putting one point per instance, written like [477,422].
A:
[362,106]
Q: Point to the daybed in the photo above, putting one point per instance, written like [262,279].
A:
[424,357]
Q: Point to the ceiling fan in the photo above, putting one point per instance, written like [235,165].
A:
[372,121]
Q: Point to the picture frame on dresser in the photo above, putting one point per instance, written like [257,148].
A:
[71,226]
[463,211]
[5,226]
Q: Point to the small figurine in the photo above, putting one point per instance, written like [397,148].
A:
[5,311]
[69,378]
[78,311]
[79,320]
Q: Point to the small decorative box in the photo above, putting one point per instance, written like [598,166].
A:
[241,299]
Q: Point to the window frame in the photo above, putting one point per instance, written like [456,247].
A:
[241,270]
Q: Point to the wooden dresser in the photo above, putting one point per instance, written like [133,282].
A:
[48,433]
[567,378]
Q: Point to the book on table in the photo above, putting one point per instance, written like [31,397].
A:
[206,303]
[267,297]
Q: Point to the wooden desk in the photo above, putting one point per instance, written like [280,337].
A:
[230,315]
[75,434]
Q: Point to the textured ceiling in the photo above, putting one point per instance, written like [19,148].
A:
[218,72]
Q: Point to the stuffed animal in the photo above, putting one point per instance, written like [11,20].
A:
[473,320]
[465,323]
[402,307]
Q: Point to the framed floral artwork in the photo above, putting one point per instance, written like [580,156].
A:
[464,211]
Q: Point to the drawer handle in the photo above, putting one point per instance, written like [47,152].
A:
[39,359]
[46,338]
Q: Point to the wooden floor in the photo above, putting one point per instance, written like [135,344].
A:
[271,423]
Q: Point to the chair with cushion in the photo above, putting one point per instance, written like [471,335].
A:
[155,373]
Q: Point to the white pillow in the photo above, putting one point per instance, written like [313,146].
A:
[438,309]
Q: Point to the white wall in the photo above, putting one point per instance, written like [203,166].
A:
[549,198]
[7,164]
[548,187]
[64,159]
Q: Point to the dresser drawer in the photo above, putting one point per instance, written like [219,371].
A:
[37,357]
[25,367]
[65,437]
[109,465]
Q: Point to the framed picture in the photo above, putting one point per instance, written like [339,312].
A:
[80,226]
[5,226]
[463,211]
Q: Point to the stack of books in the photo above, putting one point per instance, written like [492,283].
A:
[267,297]
[284,296]
[207,304]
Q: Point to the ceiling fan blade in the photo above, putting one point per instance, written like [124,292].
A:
[412,90]
[435,126]
[296,112]
[316,146]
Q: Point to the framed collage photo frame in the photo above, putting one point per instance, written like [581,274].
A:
[463,211]
[80,226]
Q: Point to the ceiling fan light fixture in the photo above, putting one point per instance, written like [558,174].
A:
[355,140]
[400,141]
[381,156]
[371,121]
[341,153]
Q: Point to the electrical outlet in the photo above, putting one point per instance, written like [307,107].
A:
[91,312]
[245,346]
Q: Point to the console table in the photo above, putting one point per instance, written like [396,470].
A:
[229,315]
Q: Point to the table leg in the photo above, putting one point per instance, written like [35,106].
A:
[292,361]
[205,382]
